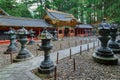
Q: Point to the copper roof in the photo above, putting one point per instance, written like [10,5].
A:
[57,15]
[27,22]
[84,26]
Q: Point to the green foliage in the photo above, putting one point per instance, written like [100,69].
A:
[76,7]
[39,12]
[112,10]
[15,9]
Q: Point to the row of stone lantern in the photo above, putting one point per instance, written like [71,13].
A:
[55,35]
[31,35]
[22,33]
[24,53]
[12,36]
[105,54]
[113,44]
[47,65]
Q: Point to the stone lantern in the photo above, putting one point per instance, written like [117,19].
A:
[12,47]
[104,54]
[55,35]
[113,45]
[24,53]
[118,41]
[47,65]
[31,35]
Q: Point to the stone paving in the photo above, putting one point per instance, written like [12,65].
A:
[22,70]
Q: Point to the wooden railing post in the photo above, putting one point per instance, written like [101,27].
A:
[57,57]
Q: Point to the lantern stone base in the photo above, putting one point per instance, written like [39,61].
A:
[118,41]
[46,71]
[115,51]
[114,47]
[105,60]
[9,51]
[23,55]
[46,68]
[19,60]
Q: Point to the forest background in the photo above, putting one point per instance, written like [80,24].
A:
[92,10]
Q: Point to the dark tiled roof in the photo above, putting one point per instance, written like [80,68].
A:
[15,21]
[57,15]
[84,26]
